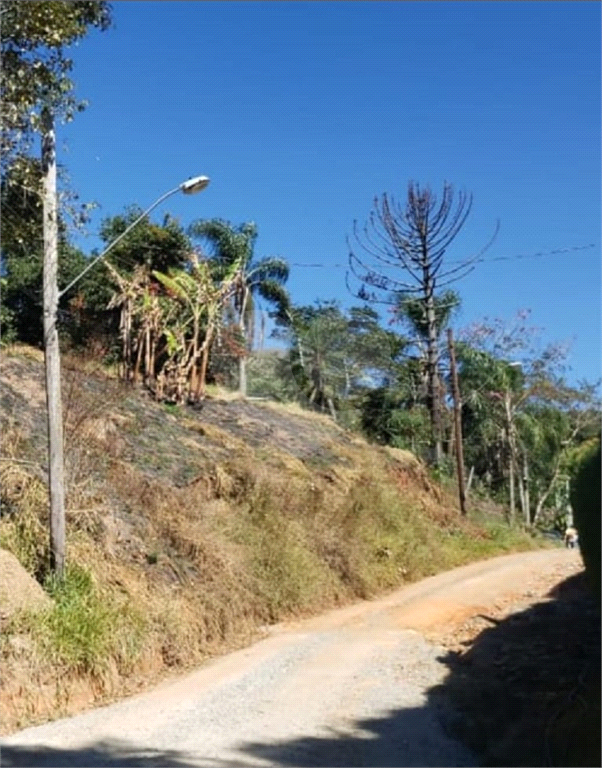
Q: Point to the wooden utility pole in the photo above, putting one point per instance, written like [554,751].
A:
[52,360]
[512,449]
[457,421]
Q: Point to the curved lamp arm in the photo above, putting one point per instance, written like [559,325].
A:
[189,187]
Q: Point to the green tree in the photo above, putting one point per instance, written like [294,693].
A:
[264,277]
[35,67]
[387,420]
[520,418]
[21,251]
[154,246]
[492,391]
[270,375]
[97,312]
[336,356]
[318,354]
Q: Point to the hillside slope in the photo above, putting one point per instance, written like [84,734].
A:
[190,530]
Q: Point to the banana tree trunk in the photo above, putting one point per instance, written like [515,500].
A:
[242,360]
[200,387]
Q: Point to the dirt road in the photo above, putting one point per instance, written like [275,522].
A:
[346,688]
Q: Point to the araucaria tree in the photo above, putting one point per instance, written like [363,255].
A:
[412,238]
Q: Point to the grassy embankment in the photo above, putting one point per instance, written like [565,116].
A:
[188,531]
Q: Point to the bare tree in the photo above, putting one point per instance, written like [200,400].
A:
[413,239]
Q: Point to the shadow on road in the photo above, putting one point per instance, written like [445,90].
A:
[527,690]
[523,692]
[402,738]
[116,754]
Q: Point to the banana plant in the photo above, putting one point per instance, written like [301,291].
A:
[203,298]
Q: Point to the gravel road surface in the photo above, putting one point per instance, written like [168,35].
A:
[347,688]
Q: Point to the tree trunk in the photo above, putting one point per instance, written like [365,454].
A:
[512,493]
[331,408]
[521,494]
[544,496]
[148,362]
[457,423]
[139,353]
[242,375]
[433,398]
[469,481]
[526,487]
[200,388]
[52,359]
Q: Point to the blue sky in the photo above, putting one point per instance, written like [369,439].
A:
[302,112]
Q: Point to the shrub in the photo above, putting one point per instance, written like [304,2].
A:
[84,630]
[585,500]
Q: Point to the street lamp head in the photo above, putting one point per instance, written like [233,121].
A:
[196,184]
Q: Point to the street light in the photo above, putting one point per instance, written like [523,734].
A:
[196,184]
[52,360]
[189,187]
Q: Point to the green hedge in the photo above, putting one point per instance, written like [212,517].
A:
[585,500]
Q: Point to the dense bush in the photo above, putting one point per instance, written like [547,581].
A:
[585,500]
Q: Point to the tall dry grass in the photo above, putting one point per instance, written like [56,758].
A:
[161,577]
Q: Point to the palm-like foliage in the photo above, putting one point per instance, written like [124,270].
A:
[266,278]
[318,358]
[412,312]
[492,392]
[520,422]
[203,299]
[336,356]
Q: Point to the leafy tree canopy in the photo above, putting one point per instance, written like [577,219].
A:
[35,67]
[156,247]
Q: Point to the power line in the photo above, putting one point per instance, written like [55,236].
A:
[477,261]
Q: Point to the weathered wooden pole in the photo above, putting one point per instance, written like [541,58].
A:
[52,360]
[457,421]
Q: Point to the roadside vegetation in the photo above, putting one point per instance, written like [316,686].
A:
[189,532]
[215,484]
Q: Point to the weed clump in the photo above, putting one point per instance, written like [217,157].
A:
[85,631]
[23,515]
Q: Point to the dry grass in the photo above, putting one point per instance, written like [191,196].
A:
[90,362]
[24,350]
[256,536]
[23,524]
[294,409]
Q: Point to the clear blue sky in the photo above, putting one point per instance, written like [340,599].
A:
[302,112]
